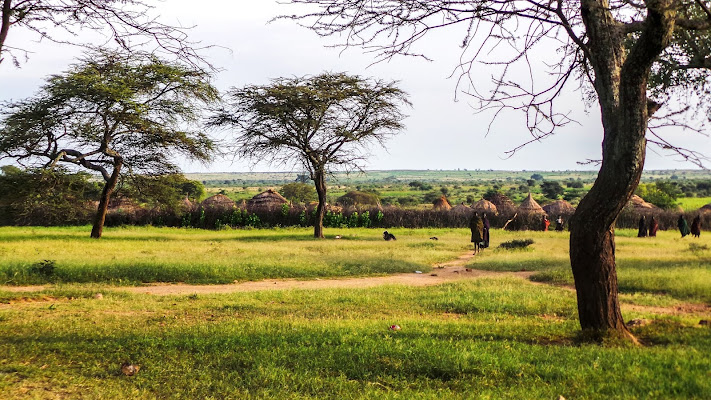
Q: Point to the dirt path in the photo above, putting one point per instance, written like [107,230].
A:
[447,272]
[450,271]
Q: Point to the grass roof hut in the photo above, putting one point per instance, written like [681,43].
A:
[705,209]
[485,206]
[502,202]
[269,200]
[559,207]
[442,203]
[639,203]
[218,201]
[461,208]
[530,206]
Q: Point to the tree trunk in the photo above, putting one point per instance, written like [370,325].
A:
[320,182]
[109,187]
[621,84]
[4,24]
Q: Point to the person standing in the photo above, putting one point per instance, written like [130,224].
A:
[485,232]
[642,227]
[696,227]
[683,226]
[559,224]
[477,227]
[546,223]
[653,227]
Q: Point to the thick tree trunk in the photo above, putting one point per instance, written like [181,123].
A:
[621,84]
[4,24]
[98,228]
[320,182]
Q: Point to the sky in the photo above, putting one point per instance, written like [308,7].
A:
[442,131]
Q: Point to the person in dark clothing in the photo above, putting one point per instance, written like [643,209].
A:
[642,227]
[683,226]
[485,232]
[653,227]
[696,227]
[477,227]
[559,224]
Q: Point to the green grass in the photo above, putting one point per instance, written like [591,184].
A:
[136,255]
[693,203]
[667,264]
[491,338]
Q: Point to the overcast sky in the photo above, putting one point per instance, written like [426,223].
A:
[440,133]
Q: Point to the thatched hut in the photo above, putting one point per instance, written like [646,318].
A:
[442,203]
[502,202]
[269,200]
[559,207]
[705,209]
[218,201]
[530,206]
[461,208]
[485,207]
[637,202]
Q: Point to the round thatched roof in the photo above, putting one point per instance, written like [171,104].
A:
[218,201]
[705,209]
[530,206]
[485,206]
[442,204]
[461,208]
[559,207]
[266,201]
[638,202]
[502,202]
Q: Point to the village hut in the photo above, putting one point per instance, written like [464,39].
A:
[559,207]
[638,203]
[485,207]
[705,209]
[461,208]
[442,204]
[530,206]
[218,202]
[502,202]
[269,200]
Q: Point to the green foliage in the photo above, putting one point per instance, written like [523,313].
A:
[45,197]
[166,191]
[552,189]
[661,194]
[297,192]
[353,198]
[537,177]
[420,186]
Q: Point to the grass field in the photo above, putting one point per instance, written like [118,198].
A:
[693,203]
[491,338]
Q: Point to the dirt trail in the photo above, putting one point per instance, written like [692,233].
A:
[447,272]
[450,271]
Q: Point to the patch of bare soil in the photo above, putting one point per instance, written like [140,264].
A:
[446,272]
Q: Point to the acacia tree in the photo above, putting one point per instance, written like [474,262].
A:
[125,22]
[113,114]
[639,59]
[320,123]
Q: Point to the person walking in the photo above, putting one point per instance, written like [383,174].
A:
[683,226]
[696,227]
[642,227]
[559,224]
[477,227]
[485,231]
[653,227]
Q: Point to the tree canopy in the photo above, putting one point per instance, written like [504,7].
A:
[125,23]
[111,112]
[318,123]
